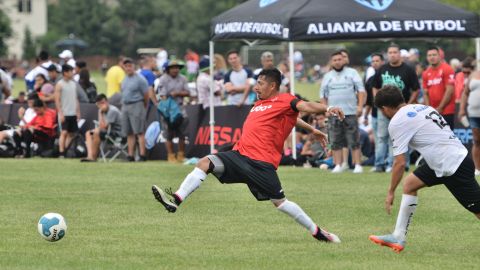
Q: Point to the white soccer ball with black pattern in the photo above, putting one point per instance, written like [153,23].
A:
[52,227]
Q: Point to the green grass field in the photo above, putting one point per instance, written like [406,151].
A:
[114,222]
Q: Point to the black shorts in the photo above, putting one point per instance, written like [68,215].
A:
[260,177]
[462,184]
[70,124]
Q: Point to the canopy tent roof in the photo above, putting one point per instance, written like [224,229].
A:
[308,20]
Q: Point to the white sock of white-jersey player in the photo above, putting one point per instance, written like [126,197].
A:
[407,208]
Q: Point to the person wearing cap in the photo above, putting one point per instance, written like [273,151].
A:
[203,85]
[68,107]
[67,57]
[173,84]
[114,78]
[134,91]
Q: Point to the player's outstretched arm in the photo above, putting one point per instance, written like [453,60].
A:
[320,136]
[315,107]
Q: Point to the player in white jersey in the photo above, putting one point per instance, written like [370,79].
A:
[447,162]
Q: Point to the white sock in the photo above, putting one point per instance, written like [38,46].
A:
[292,209]
[407,208]
[191,183]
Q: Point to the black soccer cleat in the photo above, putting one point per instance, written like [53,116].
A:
[163,198]
[324,236]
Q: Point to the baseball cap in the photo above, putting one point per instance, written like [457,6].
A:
[66,54]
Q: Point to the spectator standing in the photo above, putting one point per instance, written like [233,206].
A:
[470,103]
[401,75]
[67,58]
[438,85]
[43,62]
[174,85]
[342,87]
[79,66]
[462,77]
[88,87]
[377,62]
[53,76]
[5,90]
[237,80]
[114,78]
[268,62]
[134,115]
[203,86]
[109,122]
[162,58]
[220,67]
[68,107]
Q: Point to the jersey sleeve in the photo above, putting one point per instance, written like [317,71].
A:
[323,92]
[424,80]
[400,136]
[249,73]
[377,79]
[226,79]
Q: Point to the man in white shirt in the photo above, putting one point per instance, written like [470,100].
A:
[447,162]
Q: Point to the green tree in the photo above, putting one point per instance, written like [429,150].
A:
[29,46]
[5,32]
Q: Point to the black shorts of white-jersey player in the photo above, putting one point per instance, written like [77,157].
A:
[447,162]
[261,177]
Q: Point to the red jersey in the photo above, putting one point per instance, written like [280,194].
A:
[267,126]
[45,123]
[435,81]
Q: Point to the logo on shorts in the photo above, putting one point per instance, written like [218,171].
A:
[264,3]
[378,5]
[411,114]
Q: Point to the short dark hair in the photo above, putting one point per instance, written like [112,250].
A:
[100,97]
[232,52]
[433,48]
[389,96]
[336,53]
[81,64]
[378,54]
[127,60]
[468,63]
[344,51]
[52,67]
[22,93]
[43,56]
[32,96]
[38,103]
[272,75]
[394,45]
[66,68]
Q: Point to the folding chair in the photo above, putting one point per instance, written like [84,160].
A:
[112,146]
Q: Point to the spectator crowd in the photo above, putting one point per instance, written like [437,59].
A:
[50,118]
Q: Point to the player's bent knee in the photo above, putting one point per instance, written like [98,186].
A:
[278,202]
[214,165]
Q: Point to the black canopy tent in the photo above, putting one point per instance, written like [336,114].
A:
[316,20]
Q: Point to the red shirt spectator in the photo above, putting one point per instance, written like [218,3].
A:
[45,122]
[435,82]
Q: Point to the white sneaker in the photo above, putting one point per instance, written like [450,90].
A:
[358,169]
[345,166]
[388,170]
[337,169]
[477,172]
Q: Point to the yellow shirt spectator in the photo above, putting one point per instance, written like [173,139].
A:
[114,78]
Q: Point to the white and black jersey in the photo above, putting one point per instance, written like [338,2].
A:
[422,128]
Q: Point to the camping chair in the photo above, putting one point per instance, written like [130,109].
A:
[112,146]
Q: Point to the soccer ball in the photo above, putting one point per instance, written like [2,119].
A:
[52,227]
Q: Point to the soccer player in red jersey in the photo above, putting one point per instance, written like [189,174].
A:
[438,83]
[256,156]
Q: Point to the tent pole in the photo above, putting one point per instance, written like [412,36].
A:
[212,89]
[477,43]
[292,91]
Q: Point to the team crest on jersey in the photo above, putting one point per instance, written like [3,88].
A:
[264,3]
[411,114]
[378,5]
